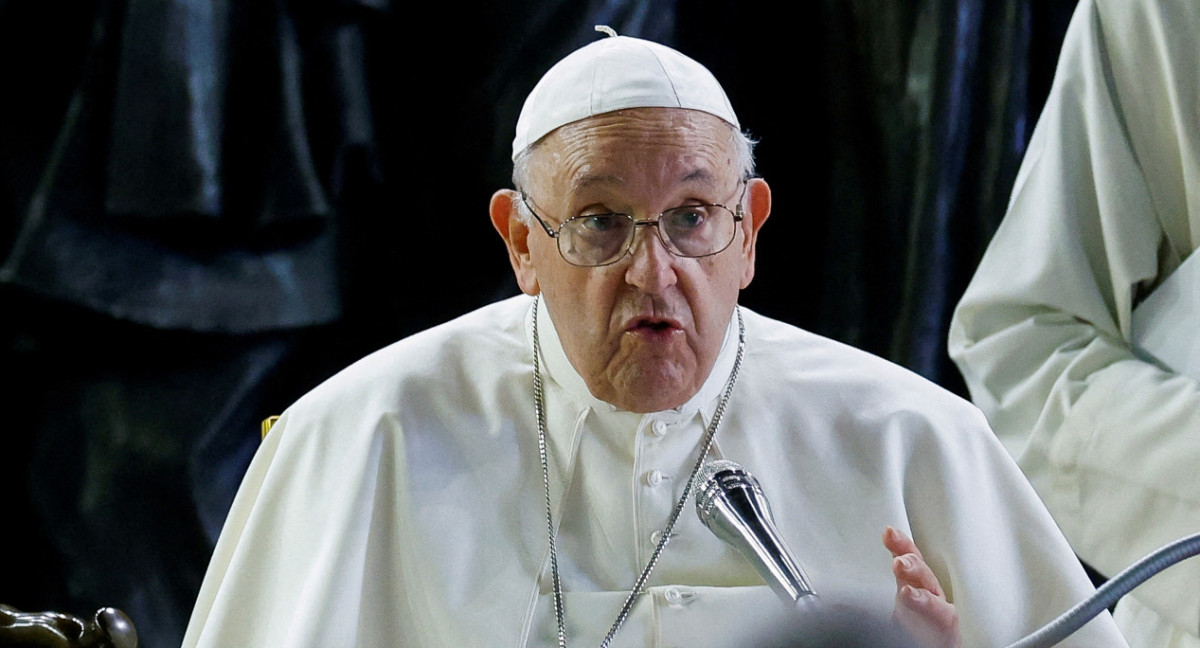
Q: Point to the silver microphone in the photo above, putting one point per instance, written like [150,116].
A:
[732,505]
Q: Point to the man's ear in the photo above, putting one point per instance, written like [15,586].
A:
[757,209]
[507,221]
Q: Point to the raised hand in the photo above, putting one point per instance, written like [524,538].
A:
[921,605]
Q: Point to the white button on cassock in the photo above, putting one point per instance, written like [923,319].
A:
[677,597]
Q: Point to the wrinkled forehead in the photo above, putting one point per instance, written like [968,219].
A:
[651,146]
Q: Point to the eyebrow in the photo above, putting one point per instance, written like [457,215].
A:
[592,179]
[699,175]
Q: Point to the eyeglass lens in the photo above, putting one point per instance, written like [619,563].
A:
[689,231]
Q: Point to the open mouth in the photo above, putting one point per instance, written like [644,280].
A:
[653,327]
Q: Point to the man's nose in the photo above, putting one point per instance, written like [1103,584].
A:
[652,267]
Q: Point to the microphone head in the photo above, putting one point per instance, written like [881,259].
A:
[716,481]
[710,469]
[730,502]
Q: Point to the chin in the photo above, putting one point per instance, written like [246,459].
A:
[654,395]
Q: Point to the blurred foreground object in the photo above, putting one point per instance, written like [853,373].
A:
[828,624]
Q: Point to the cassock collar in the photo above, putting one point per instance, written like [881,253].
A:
[559,370]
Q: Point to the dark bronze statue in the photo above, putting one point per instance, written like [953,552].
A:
[109,628]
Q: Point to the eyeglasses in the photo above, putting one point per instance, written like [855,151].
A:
[691,231]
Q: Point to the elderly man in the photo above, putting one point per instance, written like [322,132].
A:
[521,476]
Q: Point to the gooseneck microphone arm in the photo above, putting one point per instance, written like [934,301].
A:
[730,502]
[1107,594]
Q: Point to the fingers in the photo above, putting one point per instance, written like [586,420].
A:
[898,543]
[921,605]
[931,620]
[910,570]
[908,565]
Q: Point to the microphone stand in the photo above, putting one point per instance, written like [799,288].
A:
[1107,594]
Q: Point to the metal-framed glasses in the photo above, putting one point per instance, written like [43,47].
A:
[691,231]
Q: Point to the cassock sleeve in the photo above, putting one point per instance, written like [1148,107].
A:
[1106,204]
[306,555]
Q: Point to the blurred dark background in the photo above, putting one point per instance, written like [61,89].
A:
[207,207]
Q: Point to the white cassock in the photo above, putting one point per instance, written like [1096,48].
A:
[1106,206]
[402,502]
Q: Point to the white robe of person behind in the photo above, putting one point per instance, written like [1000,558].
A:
[1105,208]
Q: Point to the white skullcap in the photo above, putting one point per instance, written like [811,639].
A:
[613,74]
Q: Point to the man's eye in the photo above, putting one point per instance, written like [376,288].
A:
[687,217]
[598,223]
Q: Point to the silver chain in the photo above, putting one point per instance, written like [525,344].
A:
[539,410]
